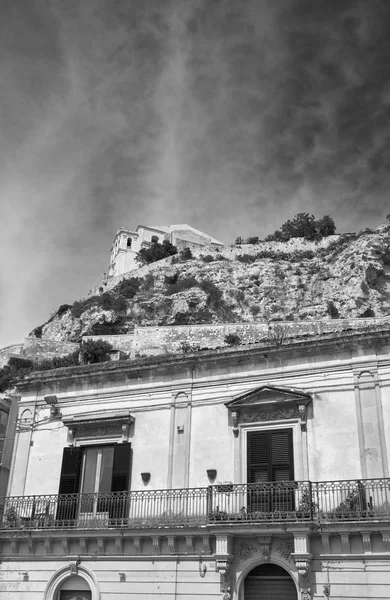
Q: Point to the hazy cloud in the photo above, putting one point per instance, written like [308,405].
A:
[231,116]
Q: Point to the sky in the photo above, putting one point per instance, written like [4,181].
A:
[231,116]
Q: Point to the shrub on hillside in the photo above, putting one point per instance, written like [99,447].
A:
[247,259]
[156,251]
[186,254]
[95,351]
[128,287]
[232,339]
[63,309]
[208,258]
[252,240]
[181,285]
[214,294]
[148,282]
[333,311]
[171,279]
[119,304]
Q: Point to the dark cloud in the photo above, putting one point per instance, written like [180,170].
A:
[231,116]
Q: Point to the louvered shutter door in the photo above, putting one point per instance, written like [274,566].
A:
[258,456]
[121,468]
[69,483]
[270,582]
[70,471]
[282,468]
[119,507]
[270,456]
[258,588]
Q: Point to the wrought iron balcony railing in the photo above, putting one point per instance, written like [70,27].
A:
[225,503]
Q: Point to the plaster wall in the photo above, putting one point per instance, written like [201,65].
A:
[211,445]
[384,390]
[157,577]
[333,446]
[150,444]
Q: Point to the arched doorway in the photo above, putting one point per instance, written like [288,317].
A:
[74,588]
[269,582]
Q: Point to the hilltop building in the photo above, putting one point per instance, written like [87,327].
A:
[250,472]
[128,243]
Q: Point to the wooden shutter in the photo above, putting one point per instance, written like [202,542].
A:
[270,455]
[119,506]
[70,471]
[258,456]
[69,484]
[281,466]
[121,468]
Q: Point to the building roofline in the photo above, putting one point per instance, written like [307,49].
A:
[167,361]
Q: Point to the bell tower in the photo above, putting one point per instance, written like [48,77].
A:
[123,252]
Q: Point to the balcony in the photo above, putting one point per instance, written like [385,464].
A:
[222,504]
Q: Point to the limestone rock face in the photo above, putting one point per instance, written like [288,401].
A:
[339,277]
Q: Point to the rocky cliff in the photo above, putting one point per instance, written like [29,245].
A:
[340,277]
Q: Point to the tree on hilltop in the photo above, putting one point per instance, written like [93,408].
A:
[305,226]
[156,251]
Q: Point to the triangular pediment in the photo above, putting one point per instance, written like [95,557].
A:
[268,394]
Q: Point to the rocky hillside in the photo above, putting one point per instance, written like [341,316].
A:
[340,277]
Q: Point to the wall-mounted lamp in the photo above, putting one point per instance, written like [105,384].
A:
[122,576]
[52,401]
[25,576]
[212,474]
[145,478]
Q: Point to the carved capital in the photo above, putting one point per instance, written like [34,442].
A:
[222,566]
[303,567]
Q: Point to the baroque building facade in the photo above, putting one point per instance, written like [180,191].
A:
[242,473]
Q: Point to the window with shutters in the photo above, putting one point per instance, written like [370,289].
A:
[89,475]
[270,455]
[270,470]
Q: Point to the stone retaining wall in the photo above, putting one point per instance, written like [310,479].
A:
[154,341]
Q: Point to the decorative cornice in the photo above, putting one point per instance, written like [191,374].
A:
[268,403]
[98,424]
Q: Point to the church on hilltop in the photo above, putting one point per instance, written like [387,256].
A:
[128,243]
